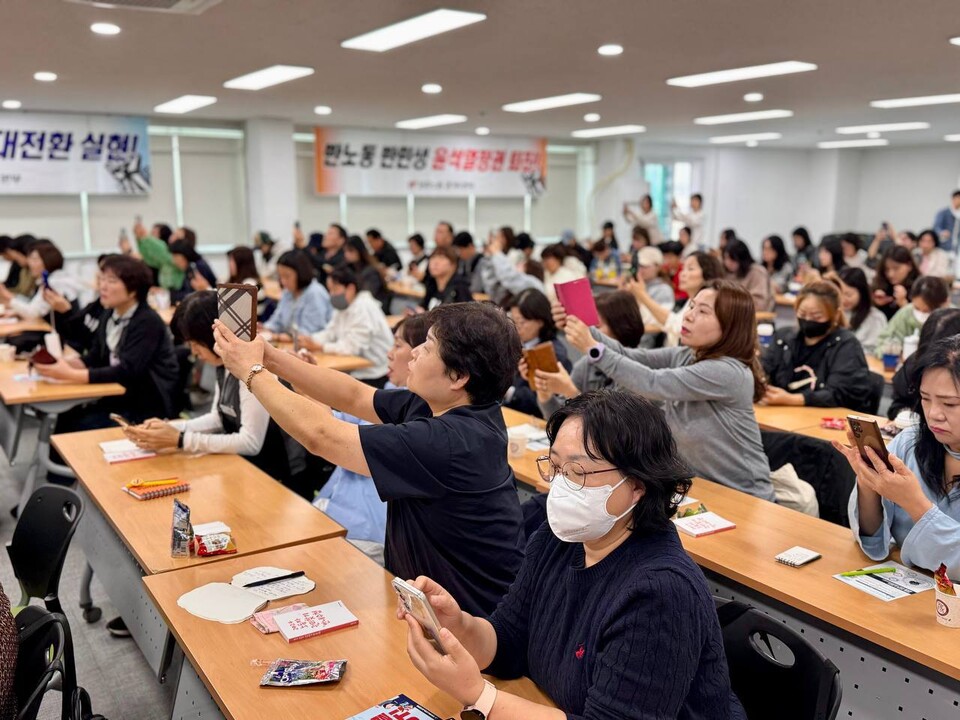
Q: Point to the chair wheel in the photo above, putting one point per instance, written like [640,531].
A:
[92,614]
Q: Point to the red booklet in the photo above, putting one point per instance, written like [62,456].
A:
[576,297]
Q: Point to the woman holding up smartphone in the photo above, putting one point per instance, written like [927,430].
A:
[708,387]
[914,502]
[896,274]
[628,628]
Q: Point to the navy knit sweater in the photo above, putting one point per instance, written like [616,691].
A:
[635,637]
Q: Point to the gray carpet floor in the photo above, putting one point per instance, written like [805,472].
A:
[114,672]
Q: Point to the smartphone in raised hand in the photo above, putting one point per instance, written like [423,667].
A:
[866,434]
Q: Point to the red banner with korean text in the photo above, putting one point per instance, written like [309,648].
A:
[389,163]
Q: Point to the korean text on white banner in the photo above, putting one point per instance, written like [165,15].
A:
[385,163]
[69,154]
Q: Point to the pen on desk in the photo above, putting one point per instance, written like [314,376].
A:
[138,482]
[267,581]
[871,571]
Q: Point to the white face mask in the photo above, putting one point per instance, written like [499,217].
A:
[920,317]
[580,515]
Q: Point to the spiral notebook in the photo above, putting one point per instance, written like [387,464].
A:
[797,556]
[156,491]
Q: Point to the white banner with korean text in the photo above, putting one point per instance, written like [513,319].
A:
[390,163]
[44,154]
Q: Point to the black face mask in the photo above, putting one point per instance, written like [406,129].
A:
[812,329]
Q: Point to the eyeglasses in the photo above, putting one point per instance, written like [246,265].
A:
[572,473]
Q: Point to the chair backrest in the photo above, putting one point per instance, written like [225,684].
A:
[877,384]
[43,642]
[41,539]
[774,670]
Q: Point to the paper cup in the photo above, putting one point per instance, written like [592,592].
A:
[765,333]
[7,352]
[948,609]
[516,444]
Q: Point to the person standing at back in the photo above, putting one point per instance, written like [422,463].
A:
[647,219]
[947,224]
[693,218]
[437,452]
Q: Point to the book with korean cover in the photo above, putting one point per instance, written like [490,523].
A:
[313,621]
[577,299]
[706,523]
[399,708]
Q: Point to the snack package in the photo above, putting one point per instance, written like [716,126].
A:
[944,583]
[290,673]
[699,510]
[833,423]
[182,532]
[214,544]
[264,620]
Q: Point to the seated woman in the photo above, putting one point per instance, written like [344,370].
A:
[357,327]
[830,257]
[822,364]
[197,274]
[896,274]
[367,270]
[501,279]
[19,281]
[927,294]
[741,269]
[43,258]
[915,504]
[707,387]
[351,498]
[530,312]
[242,269]
[236,424]
[777,262]
[605,264]
[865,320]
[131,346]
[806,253]
[656,283]
[304,305]
[619,319]
[942,323]
[443,284]
[853,254]
[417,267]
[934,260]
[604,641]
[559,266]
[698,269]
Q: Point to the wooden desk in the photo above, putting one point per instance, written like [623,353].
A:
[787,418]
[418,293]
[876,365]
[378,666]
[11,329]
[765,316]
[907,627]
[31,392]
[525,468]
[785,300]
[262,513]
[344,363]
[613,283]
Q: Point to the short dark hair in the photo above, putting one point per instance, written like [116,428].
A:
[164,231]
[931,233]
[640,233]
[607,225]
[182,247]
[189,236]
[524,242]
[417,239]
[414,329]
[5,241]
[932,290]
[447,225]
[49,253]
[698,196]
[374,233]
[344,275]
[851,239]
[447,252]
[133,273]
[479,340]
[298,261]
[801,232]
[340,229]
[956,193]
[463,239]
[533,305]
[195,318]
[671,247]
[621,313]
[643,449]
[557,251]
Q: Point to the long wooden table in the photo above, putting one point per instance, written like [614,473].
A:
[417,292]
[22,326]
[377,664]
[876,365]
[805,420]
[124,538]
[343,363]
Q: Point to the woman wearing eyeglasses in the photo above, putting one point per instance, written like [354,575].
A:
[628,627]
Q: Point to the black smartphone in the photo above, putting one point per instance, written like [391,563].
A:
[866,434]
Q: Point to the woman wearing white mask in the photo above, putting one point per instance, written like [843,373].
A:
[927,294]
[606,640]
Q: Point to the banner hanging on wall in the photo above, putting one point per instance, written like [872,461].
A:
[70,154]
[385,163]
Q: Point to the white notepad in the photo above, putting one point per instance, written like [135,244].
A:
[706,523]
[797,556]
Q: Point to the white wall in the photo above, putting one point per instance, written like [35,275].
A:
[762,191]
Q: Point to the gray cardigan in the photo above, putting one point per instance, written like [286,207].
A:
[708,406]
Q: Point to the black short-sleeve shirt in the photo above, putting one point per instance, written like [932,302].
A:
[452,508]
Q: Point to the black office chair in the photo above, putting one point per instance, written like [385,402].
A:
[43,657]
[82,707]
[40,542]
[877,384]
[773,670]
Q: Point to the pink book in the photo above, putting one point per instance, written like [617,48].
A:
[316,620]
[576,297]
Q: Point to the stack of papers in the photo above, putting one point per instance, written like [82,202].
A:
[118,451]
[890,586]
[706,523]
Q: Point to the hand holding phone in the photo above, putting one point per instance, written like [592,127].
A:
[415,603]
[866,434]
[237,309]
[120,420]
